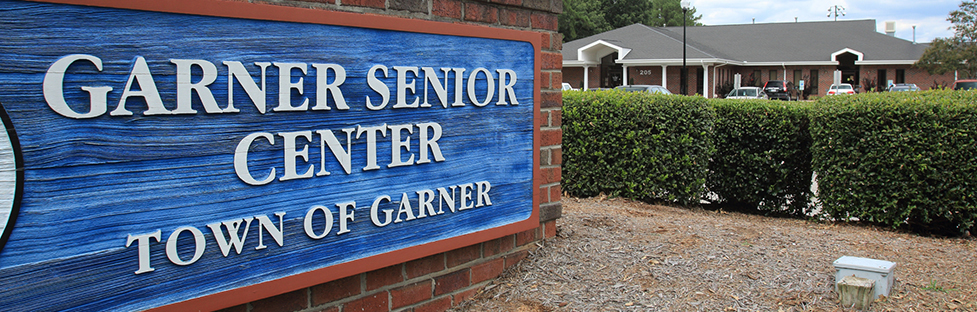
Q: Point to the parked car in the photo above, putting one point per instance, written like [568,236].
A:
[747,93]
[842,88]
[966,84]
[901,87]
[644,88]
[780,89]
[567,86]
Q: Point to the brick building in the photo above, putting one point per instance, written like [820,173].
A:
[809,51]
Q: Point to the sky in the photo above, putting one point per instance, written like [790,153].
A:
[928,16]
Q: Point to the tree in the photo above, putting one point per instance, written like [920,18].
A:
[583,18]
[669,13]
[957,53]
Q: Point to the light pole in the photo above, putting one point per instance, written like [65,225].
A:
[836,9]
[685,72]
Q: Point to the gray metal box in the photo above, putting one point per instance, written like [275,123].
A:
[882,272]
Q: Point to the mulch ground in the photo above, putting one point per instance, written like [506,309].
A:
[623,255]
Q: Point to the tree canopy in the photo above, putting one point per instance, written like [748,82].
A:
[957,53]
[583,18]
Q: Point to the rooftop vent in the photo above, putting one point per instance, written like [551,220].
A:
[890,28]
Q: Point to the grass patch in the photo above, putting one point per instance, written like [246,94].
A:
[934,286]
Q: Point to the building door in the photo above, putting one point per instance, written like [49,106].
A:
[611,74]
[849,71]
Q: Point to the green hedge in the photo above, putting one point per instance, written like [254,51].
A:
[763,157]
[902,158]
[636,145]
[892,159]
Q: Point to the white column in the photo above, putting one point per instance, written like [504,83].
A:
[715,72]
[664,76]
[705,82]
[625,82]
[586,77]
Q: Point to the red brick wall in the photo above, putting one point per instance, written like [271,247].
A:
[915,75]
[920,77]
[433,283]
[440,281]
[653,77]
[573,76]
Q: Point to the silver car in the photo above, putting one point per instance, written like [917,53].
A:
[902,87]
[644,88]
[747,93]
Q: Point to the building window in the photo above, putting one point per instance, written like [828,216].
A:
[900,76]
[773,74]
[755,79]
[798,76]
[883,82]
[813,82]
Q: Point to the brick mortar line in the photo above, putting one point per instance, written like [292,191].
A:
[550,185]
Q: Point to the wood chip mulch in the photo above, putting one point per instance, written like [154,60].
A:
[623,255]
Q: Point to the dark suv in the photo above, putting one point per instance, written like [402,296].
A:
[780,89]
[966,84]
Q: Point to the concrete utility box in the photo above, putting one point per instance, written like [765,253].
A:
[882,272]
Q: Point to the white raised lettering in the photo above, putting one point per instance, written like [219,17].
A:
[53,89]
[376,206]
[396,145]
[241,159]
[402,86]
[404,208]
[172,243]
[459,86]
[291,155]
[483,196]
[233,228]
[143,248]
[378,86]
[257,94]
[425,204]
[431,143]
[489,87]
[431,78]
[285,86]
[506,88]
[327,138]
[323,88]
[371,143]
[265,225]
[184,86]
[466,196]
[346,214]
[446,198]
[307,222]
[147,90]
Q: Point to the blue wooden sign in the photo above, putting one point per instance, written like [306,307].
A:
[153,157]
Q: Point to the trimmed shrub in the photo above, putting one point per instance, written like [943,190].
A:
[901,158]
[636,145]
[763,157]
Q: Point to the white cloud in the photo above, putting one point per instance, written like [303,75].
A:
[928,16]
